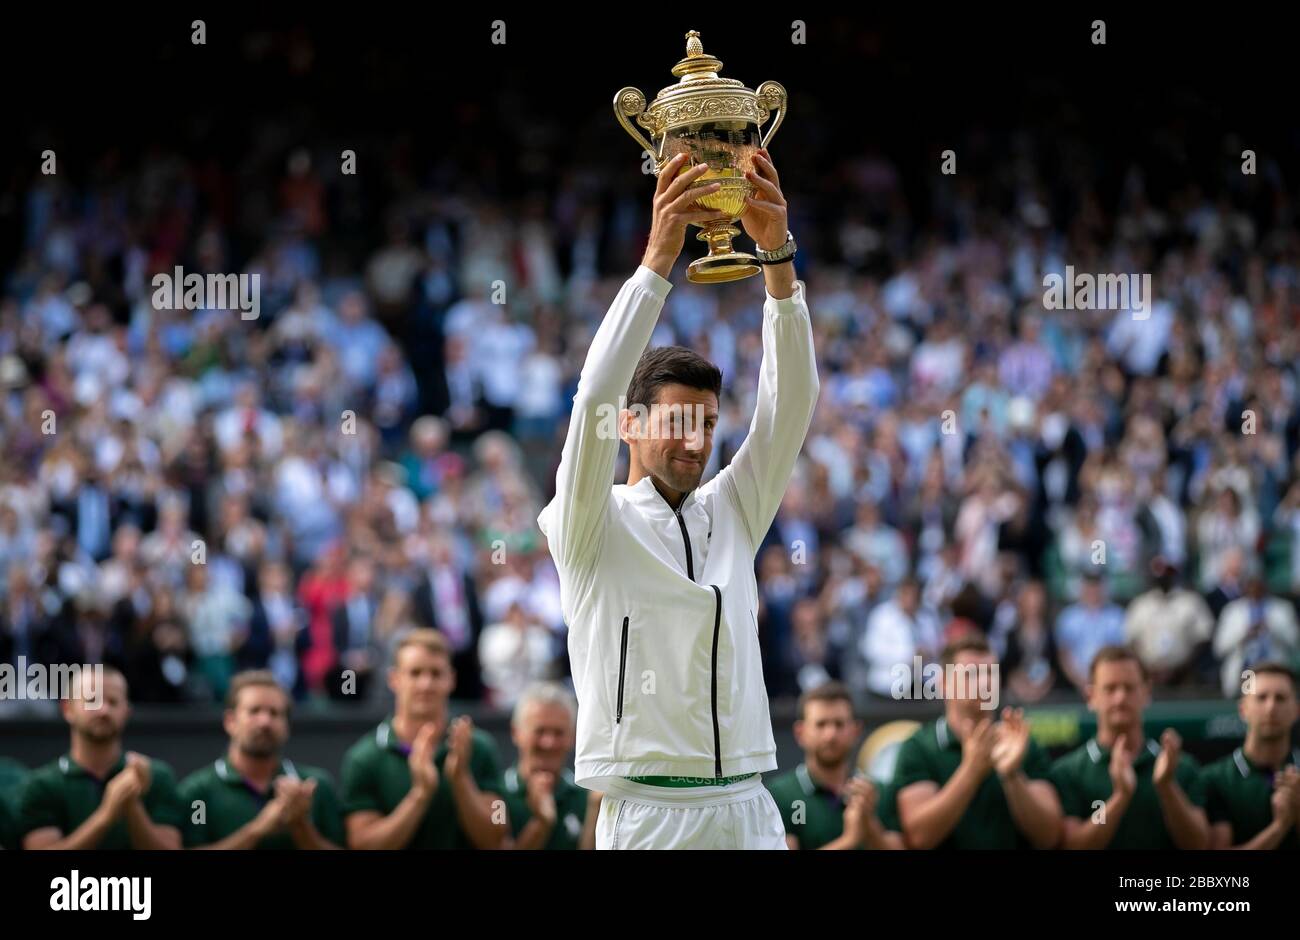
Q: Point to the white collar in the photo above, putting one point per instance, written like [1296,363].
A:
[1239,758]
[1094,749]
[645,494]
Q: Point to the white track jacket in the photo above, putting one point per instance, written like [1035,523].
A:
[661,604]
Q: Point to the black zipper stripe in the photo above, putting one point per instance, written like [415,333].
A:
[677,511]
[690,561]
[713,690]
[622,671]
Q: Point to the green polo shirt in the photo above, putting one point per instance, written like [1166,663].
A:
[933,753]
[814,814]
[12,777]
[64,794]
[376,777]
[1240,792]
[570,809]
[230,802]
[1082,777]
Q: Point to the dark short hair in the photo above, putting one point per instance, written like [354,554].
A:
[1274,668]
[826,692]
[965,644]
[1116,654]
[671,365]
[254,678]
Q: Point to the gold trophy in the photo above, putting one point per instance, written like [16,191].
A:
[717,121]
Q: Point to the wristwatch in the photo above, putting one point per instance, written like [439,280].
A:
[781,255]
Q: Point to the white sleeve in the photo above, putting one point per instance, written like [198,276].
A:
[574,518]
[787,394]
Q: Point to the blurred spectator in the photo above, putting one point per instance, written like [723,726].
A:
[427,460]
[897,631]
[814,659]
[878,544]
[1230,582]
[1225,526]
[1167,626]
[446,599]
[1252,629]
[514,652]
[320,591]
[1029,663]
[356,638]
[168,551]
[1084,627]
[357,341]
[245,419]
[217,621]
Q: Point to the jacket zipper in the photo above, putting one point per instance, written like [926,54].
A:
[622,669]
[713,690]
[686,538]
[690,561]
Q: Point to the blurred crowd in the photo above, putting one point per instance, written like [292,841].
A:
[187,494]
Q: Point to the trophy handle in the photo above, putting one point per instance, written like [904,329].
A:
[628,103]
[773,97]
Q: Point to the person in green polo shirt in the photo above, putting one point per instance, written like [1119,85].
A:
[966,781]
[1122,790]
[1252,796]
[12,776]
[420,780]
[252,797]
[547,809]
[98,796]
[821,803]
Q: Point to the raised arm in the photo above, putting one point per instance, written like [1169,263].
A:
[573,520]
[787,384]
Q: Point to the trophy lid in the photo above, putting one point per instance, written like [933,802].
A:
[697,62]
[701,94]
[698,70]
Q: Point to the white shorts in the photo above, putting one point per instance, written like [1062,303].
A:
[740,816]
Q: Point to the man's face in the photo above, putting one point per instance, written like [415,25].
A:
[827,732]
[259,723]
[421,681]
[674,437]
[1271,709]
[544,736]
[974,684]
[99,713]
[1118,694]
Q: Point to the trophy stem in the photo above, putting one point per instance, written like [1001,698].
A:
[722,263]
